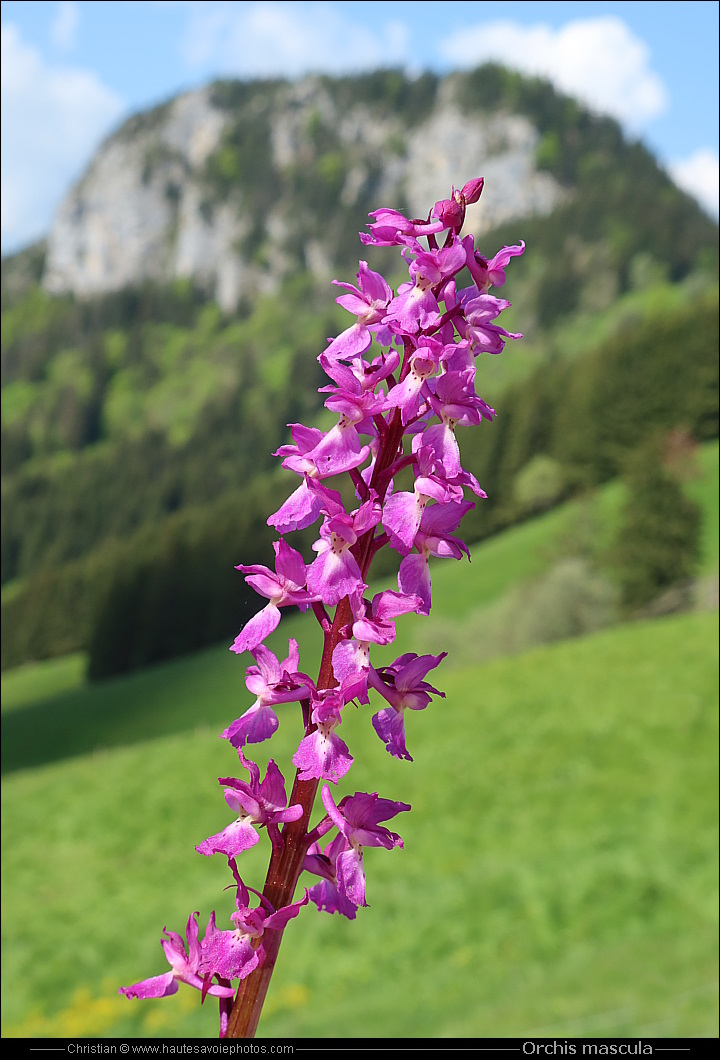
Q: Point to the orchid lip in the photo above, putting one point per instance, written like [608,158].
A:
[337,544]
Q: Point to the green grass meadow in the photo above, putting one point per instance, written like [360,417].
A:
[559,872]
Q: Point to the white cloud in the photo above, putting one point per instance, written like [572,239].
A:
[64,29]
[52,119]
[598,60]
[289,39]
[699,175]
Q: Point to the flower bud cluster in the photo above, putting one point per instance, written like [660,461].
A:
[402,379]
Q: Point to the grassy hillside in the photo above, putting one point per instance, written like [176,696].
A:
[62,716]
[558,875]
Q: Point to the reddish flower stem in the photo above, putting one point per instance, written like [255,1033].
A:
[286,863]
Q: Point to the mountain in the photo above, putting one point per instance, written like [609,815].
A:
[157,343]
[239,185]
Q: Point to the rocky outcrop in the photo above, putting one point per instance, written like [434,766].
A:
[237,191]
[132,215]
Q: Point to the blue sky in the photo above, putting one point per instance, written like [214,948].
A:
[71,71]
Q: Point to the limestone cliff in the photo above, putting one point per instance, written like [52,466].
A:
[235,184]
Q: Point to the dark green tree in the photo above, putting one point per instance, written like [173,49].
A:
[657,543]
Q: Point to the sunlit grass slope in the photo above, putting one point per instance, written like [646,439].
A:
[558,875]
